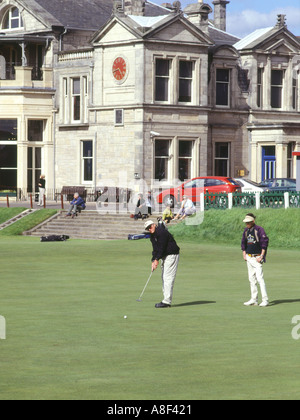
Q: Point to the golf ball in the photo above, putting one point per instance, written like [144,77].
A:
[125,316]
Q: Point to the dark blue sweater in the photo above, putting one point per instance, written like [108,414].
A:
[78,202]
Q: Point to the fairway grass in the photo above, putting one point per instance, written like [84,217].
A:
[66,336]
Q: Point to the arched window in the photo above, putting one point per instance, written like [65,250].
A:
[12,19]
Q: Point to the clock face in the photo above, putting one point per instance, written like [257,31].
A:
[119,68]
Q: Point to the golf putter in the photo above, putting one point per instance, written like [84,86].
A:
[140,298]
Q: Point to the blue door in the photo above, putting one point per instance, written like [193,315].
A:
[268,162]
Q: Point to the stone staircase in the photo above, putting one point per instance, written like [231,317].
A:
[90,224]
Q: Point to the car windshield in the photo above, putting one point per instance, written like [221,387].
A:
[233,182]
[266,183]
[283,182]
[252,182]
[195,183]
[278,183]
[290,182]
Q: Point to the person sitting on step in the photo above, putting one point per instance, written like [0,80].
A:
[76,205]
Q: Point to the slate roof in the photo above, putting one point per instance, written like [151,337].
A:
[254,38]
[221,37]
[258,37]
[145,26]
[147,21]
[80,14]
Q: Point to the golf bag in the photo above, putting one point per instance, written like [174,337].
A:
[139,236]
[54,238]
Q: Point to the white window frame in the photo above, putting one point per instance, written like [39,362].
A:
[12,19]
[74,97]
[85,102]
[65,100]
[68,97]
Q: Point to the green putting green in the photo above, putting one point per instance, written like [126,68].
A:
[66,336]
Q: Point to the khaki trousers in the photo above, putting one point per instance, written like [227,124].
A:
[256,275]
[169,267]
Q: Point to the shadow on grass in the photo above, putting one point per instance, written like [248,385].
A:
[198,302]
[278,302]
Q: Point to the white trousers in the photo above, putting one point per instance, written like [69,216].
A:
[169,267]
[187,212]
[41,196]
[256,275]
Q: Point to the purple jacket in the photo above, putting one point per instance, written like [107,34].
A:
[260,236]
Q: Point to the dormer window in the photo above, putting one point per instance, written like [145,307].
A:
[12,19]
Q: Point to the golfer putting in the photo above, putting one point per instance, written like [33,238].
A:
[165,249]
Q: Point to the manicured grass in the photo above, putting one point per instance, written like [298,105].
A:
[26,223]
[64,305]
[9,213]
[226,227]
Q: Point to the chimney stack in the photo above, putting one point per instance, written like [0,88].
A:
[220,14]
[281,21]
[134,7]
[197,13]
[118,7]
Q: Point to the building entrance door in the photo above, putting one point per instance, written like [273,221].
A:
[268,162]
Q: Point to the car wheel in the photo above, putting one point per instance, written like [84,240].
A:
[170,200]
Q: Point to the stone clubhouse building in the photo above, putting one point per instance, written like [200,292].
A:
[94,92]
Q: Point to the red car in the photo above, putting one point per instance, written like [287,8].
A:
[195,186]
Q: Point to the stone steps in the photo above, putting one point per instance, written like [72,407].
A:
[91,225]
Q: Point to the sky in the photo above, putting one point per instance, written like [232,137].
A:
[245,16]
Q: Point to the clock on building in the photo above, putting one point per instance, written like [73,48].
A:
[119,69]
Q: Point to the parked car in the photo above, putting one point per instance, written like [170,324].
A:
[194,187]
[279,184]
[249,186]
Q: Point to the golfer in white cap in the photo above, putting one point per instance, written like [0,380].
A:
[165,249]
[254,246]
